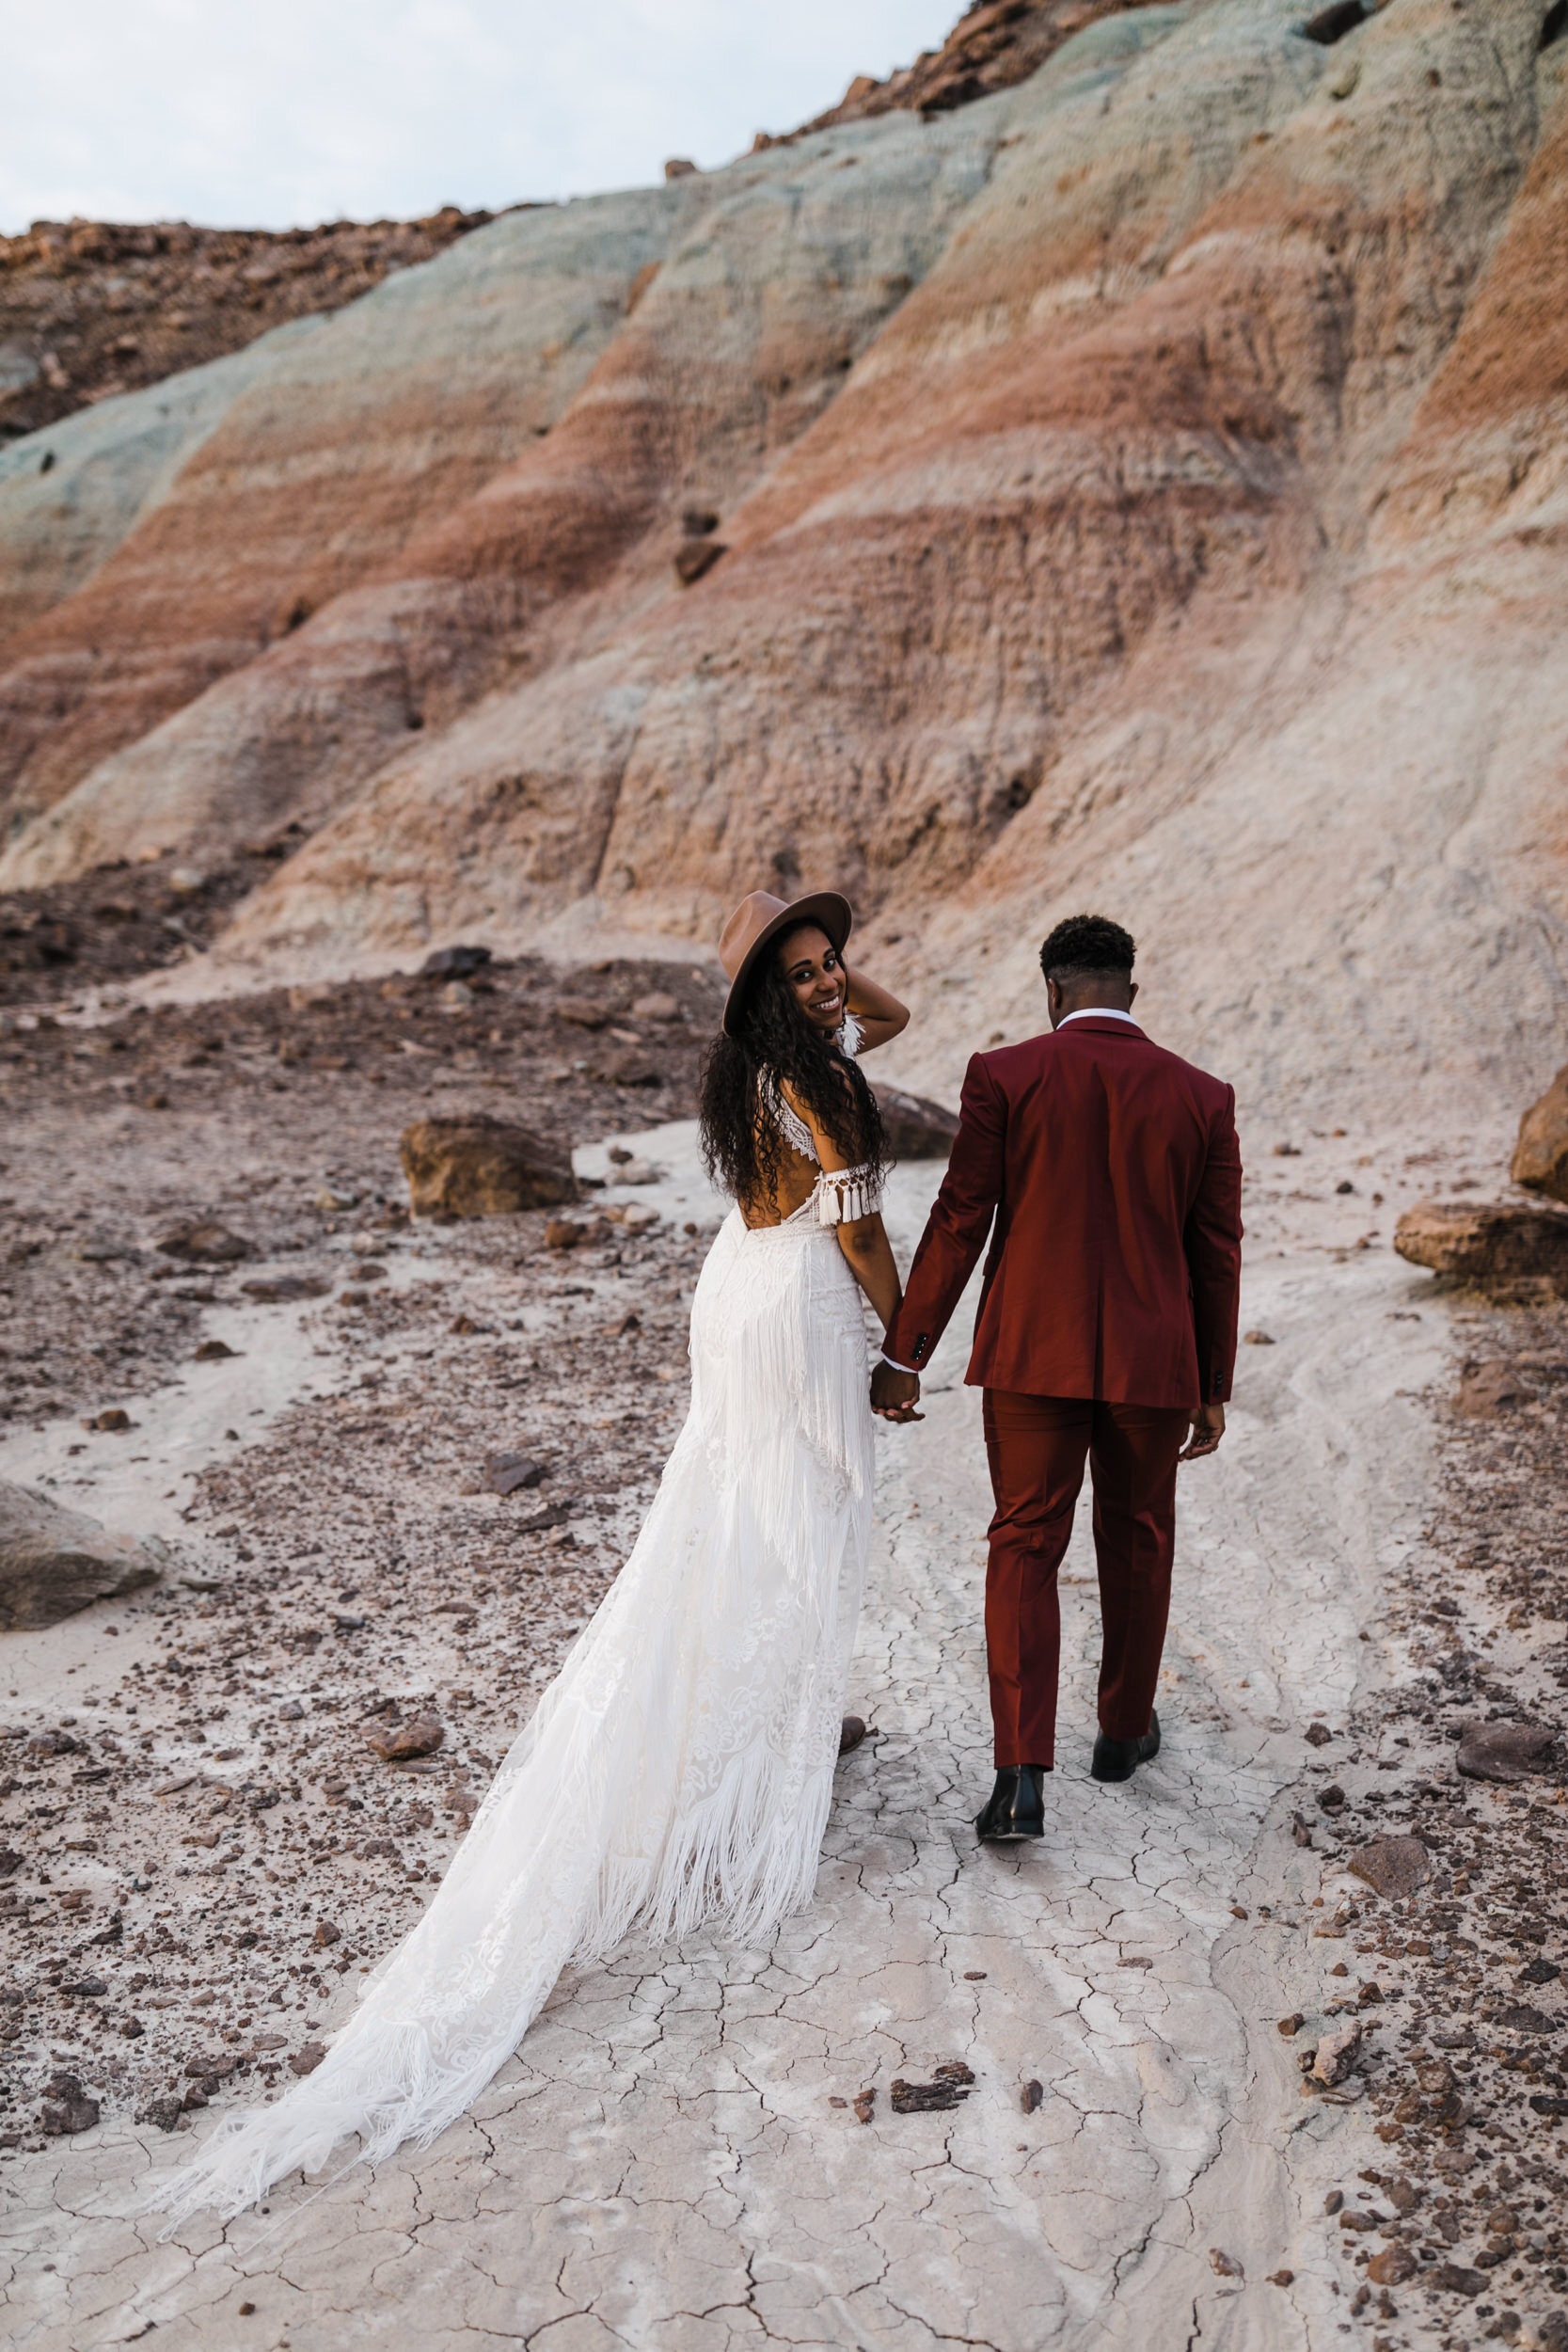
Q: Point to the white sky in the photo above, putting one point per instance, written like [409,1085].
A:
[271,113]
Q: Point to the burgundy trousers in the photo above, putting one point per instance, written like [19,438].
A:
[1036,1446]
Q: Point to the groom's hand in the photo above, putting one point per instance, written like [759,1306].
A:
[894,1394]
[1208,1429]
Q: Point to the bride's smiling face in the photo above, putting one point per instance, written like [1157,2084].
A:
[815,970]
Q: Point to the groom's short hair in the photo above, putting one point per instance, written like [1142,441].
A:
[1086,945]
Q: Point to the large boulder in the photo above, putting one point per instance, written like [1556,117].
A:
[1486,1243]
[53,1562]
[916,1129]
[1540,1154]
[476,1166]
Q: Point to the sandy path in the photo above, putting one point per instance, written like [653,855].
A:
[664,2165]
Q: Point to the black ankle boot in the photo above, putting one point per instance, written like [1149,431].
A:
[1118,1759]
[1017,1807]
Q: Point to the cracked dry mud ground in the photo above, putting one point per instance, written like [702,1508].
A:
[675,2158]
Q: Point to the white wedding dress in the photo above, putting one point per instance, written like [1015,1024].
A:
[679,1769]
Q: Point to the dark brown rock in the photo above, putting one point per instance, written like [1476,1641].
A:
[1505,1752]
[114,1418]
[306,2060]
[694,557]
[480,1166]
[1455,2279]
[278,1289]
[852,1732]
[163,2112]
[1319,1734]
[1540,1161]
[453,963]
[1522,2018]
[67,2107]
[205,1242]
[864,2105]
[53,1562]
[951,2085]
[328,1931]
[1486,1243]
[1032,2095]
[1394,1865]
[212,1351]
[397,1742]
[505,1473]
[916,1128]
[1391,2266]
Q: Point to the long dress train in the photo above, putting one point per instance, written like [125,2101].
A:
[680,1766]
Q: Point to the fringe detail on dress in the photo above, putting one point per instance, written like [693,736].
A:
[677,1773]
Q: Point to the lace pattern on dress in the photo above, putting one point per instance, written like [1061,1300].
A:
[839,1195]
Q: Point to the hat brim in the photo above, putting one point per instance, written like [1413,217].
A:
[827,908]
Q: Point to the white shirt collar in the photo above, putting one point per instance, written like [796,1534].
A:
[1097,1013]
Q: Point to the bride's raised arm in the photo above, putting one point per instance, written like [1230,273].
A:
[880,1016]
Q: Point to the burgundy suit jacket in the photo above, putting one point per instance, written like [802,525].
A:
[1113,1173]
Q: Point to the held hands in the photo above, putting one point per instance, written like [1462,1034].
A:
[894,1394]
[1208,1429]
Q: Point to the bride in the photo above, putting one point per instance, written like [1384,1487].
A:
[679,1769]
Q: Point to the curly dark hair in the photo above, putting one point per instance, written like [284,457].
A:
[742,1150]
[1084,945]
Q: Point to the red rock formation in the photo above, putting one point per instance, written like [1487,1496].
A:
[1140,482]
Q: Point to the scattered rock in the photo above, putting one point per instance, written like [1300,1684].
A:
[1281,2278]
[306,2060]
[1455,2279]
[1257,1339]
[657,1007]
[694,557]
[505,1473]
[951,2086]
[582,1011]
[131,2028]
[1332,1799]
[67,2106]
[1291,2025]
[328,1931]
[480,1166]
[445,963]
[1522,2018]
[113,1418]
[86,1989]
[205,1243]
[1338,2054]
[852,1732]
[1032,2095]
[163,2112]
[1488,1388]
[53,1562]
[1486,1243]
[629,1068]
[1226,2265]
[1319,1734]
[396,1743]
[562,1233]
[277,1289]
[1391,2266]
[1502,1750]
[557,1516]
[1539,1971]
[916,1129]
[864,2105]
[291,1711]
[212,1351]
[1540,1161]
[1395,1867]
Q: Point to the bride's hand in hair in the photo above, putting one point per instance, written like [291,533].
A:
[881,1016]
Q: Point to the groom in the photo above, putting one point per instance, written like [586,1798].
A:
[1106,1331]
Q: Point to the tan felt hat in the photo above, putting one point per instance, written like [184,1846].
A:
[761,918]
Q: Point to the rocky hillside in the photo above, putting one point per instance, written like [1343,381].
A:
[1140,482]
[92,307]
